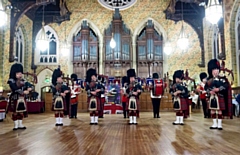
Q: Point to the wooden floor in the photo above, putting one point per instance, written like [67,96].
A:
[114,137]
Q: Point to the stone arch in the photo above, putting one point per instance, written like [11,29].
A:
[159,28]
[41,78]
[76,28]
[233,39]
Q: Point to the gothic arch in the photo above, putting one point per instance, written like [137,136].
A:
[76,28]
[159,28]
[233,49]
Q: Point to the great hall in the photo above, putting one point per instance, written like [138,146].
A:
[110,38]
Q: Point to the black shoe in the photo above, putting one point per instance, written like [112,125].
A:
[205,117]
[23,128]
[175,123]
[1,120]
[212,128]
[91,123]
[158,117]
[135,123]
[181,123]
[95,123]
[15,129]
[130,123]
[60,124]
[56,124]
[71,117]
[220,128]
[75,117]
[124,117]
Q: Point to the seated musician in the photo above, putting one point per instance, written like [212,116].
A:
[180,96]
[17,102]
[94,91]
[59,91]
[133,91]
[3,106]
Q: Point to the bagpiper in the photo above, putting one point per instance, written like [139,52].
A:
[94,91]
[17,100]
[133,91]
[59,91]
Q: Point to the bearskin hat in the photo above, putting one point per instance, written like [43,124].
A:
[131,73]
[124,80]
[74,77]
[103,80]
[155,76]
[90,73]
[213,64]
[202,75]
[99,78]
[56,74]
[178,74]
[16,68]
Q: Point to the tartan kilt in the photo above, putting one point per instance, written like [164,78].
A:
[12,106]
[221,103]
[64,105]
[184,104]
[137,101]
[98,103]
[103,100]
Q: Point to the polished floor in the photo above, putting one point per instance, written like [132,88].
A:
[114,137]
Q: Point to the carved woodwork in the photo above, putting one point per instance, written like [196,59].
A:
[149,51]
[85,50]
[120,57]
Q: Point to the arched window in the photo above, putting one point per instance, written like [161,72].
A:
[50,56]
[215,42]
[19,48]
[149,51]
[237,35]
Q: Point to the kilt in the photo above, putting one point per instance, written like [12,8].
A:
[183,104]
[64,105]
[220,103]
[12,106]
[98,104]
[137,103]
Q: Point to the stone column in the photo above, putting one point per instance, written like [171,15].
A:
[101,69]
[134,57]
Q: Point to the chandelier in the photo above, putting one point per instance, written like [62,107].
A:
[183,40]
[3,14]
[213,11]
[167,48]
[42,42]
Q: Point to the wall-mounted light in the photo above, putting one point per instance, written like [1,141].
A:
[3,14]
